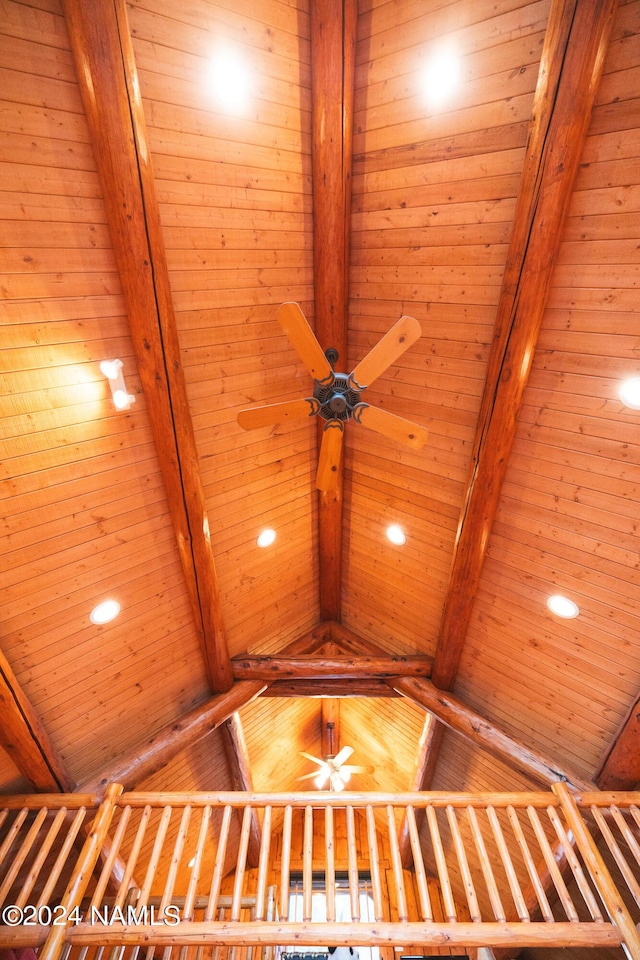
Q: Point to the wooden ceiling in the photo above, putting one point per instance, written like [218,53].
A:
[144,220]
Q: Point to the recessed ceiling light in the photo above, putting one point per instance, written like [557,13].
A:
[563,607]
[630,393]
[105,612]
[266,538]
[396,534]
[230,81]
[441,76]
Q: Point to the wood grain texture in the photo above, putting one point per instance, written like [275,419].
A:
[110,90]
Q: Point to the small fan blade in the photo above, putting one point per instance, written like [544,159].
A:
[271,413]
[341,756]
[303,340]
[308,756]
[310,776]
[390,425]
[348,768]
[330,451]
[394,343]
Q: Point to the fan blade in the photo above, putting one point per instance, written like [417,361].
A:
[303,340]
[271,413]
[330,451]
[341,756]
[390,425]
[310,776]
[348,768]
[394,343]
[308,756]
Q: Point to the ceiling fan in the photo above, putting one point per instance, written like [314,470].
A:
[336,396]
[333,771]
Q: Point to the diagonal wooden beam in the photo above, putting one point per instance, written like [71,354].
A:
[333,40]
[23,736]
[238,757]
[107,76]
[620,769]
[155,752]
[571,65]
[462,719]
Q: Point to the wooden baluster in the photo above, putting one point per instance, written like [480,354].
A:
[82,871]
[426,913]
[190,899]
[485,865]
[530,865]
[507,862]
[176,857]
[552,866]
[105,874]
[626,832]
[330,869]
[307,864]
[218,871]
[20,855]
[352,854]
[617,853]
[156,853]
[396,864]
[467,879]
[123,889]
[374,863]
[263,863]
[441,865]
[36,866]
[61,859]
[13,833]
[285,869]
[241,863]
[611,898]
[574,863]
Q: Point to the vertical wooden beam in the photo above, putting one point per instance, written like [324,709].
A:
[575,44]
[25,739]
[238,757]
[107,75]
[333,40]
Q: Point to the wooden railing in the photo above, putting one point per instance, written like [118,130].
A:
[171,870]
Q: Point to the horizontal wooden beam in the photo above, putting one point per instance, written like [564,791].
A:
[154,753]
[465,721]
[25,739]
[329,668]
[329,688]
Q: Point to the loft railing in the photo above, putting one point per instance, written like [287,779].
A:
[456,870]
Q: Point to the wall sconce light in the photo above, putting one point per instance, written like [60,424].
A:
[112,370]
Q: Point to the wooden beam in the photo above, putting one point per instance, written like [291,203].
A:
[465,721]
[270,669]
[329,688]
[425,758]
[23,736]
[154,753]
[333,40]
[620,769]
[575,44]
[103,53]
[241,779]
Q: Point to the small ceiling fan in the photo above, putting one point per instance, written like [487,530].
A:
[333,771]
[336,396]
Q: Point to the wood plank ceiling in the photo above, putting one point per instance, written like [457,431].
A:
[144,219]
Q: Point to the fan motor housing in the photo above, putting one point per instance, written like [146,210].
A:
[338,399]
